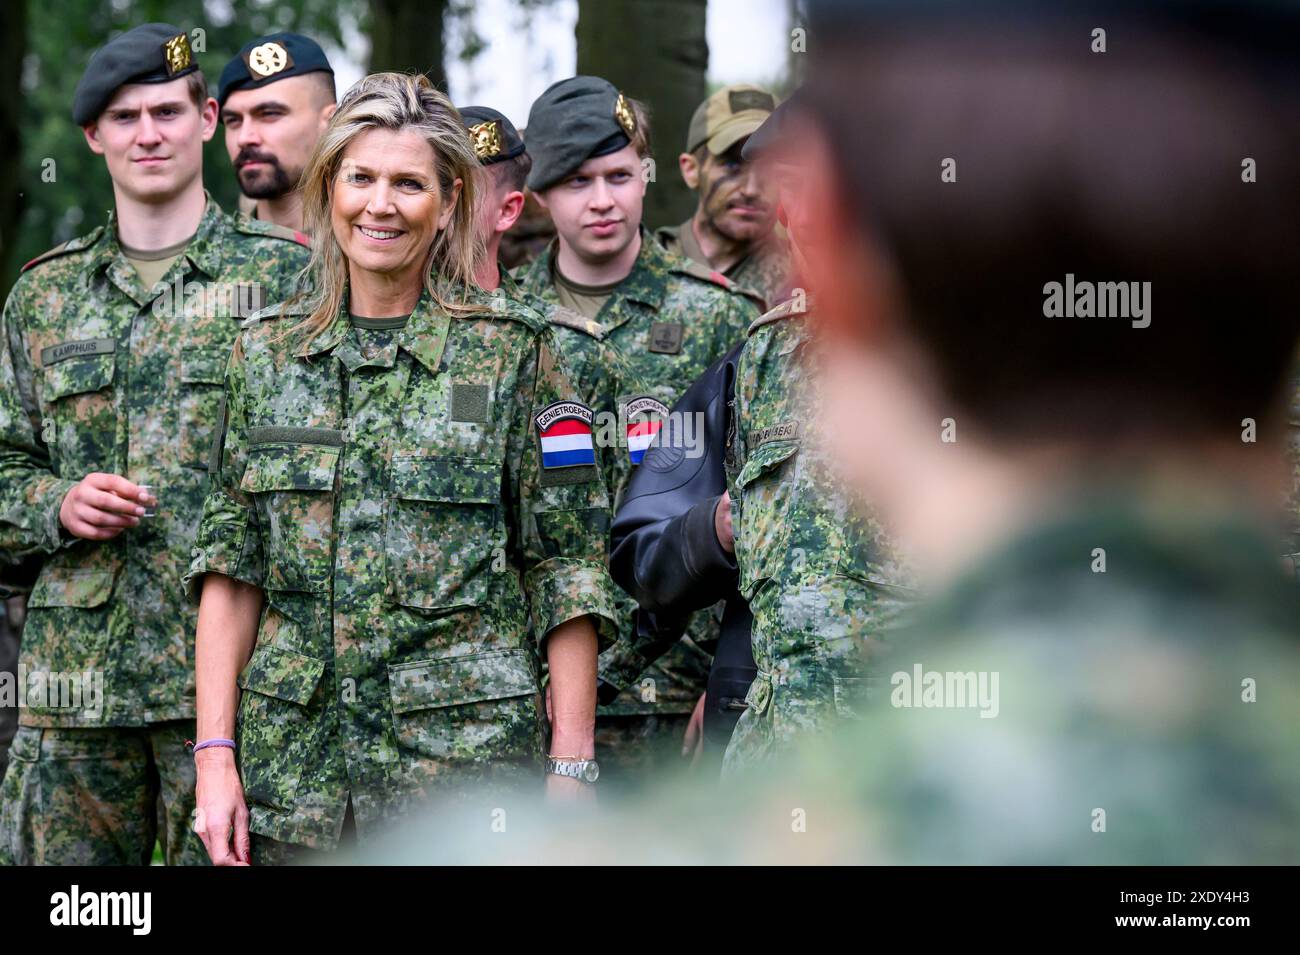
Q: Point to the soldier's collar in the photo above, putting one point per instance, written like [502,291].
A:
[425,333]
[328,339]
[205,249]
[646,283]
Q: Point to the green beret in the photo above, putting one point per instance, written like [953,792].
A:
[269,59]
[572,121]
[495,137]
[152,53]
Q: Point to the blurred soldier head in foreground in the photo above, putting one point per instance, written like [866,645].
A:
[1055,251]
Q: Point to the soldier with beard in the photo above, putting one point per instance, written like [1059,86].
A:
[275,97]
[733,229]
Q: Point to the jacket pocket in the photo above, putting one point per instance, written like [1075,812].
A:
[472,708]
[292,482]
[81,426]
[765,485]
[445,534]
[278,733]
[72,586]
[202,382]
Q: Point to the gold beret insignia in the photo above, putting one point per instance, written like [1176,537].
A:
[487,139]
[176,52]
[624,114]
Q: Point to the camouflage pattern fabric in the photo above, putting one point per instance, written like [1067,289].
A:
[822,582]
[99,796]
[669,319]
[400,518]
[765,271]
[100,374]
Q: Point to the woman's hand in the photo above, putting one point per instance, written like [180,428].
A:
[221,815]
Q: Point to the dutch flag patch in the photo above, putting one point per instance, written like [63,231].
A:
[644,417]
[565,431]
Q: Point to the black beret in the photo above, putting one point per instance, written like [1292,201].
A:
[269,59]
[495,137]
[572,121]
[151,53]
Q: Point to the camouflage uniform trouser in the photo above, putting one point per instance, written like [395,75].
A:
[9,666]
[99,796]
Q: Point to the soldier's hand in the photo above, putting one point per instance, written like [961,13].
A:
[101,506]
[693,740]
[722,523]
[221,815]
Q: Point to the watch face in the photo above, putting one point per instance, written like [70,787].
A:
[591,772]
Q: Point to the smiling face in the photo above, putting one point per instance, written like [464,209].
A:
[386,207]
[270,132]
[736,198]
[151,136]
[597,207]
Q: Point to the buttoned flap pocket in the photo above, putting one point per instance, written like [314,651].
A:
[472,707]
[291,473]
[762,530]
[70,373]
[445,538]
[72,587]
[278,735]
[284,674]
[80,426]
[202,381]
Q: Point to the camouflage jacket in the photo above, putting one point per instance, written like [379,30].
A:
[98,373]
[603,376]
[766,271]
[670,319]
[404,518]
[821,580]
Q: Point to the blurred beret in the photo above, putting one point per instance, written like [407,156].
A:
[767,140]
[269,59]
[495,137]
[574,120]
[150,53]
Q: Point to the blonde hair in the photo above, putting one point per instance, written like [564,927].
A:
[394,101]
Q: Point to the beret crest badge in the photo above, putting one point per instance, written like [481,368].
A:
[487,139]
[267,60]
[624,114]
[176,53]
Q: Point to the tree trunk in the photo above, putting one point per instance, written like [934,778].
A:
[406,36]
[13,46]
[655,51]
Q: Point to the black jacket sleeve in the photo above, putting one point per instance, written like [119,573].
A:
[665,552]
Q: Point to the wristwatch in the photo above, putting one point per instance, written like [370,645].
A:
[583,770]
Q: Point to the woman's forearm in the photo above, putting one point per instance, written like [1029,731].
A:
[228,613]
[571,656]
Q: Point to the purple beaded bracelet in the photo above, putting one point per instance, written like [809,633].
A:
[228,743]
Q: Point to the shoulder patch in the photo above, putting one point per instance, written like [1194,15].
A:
[564,431]
[66,248]
[249,226]
[790,308]
[559,315]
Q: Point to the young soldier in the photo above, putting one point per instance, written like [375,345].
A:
[669,316]
[275,98]
[733,229]
[115,346]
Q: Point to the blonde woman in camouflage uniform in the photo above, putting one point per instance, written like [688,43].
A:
[390,505]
